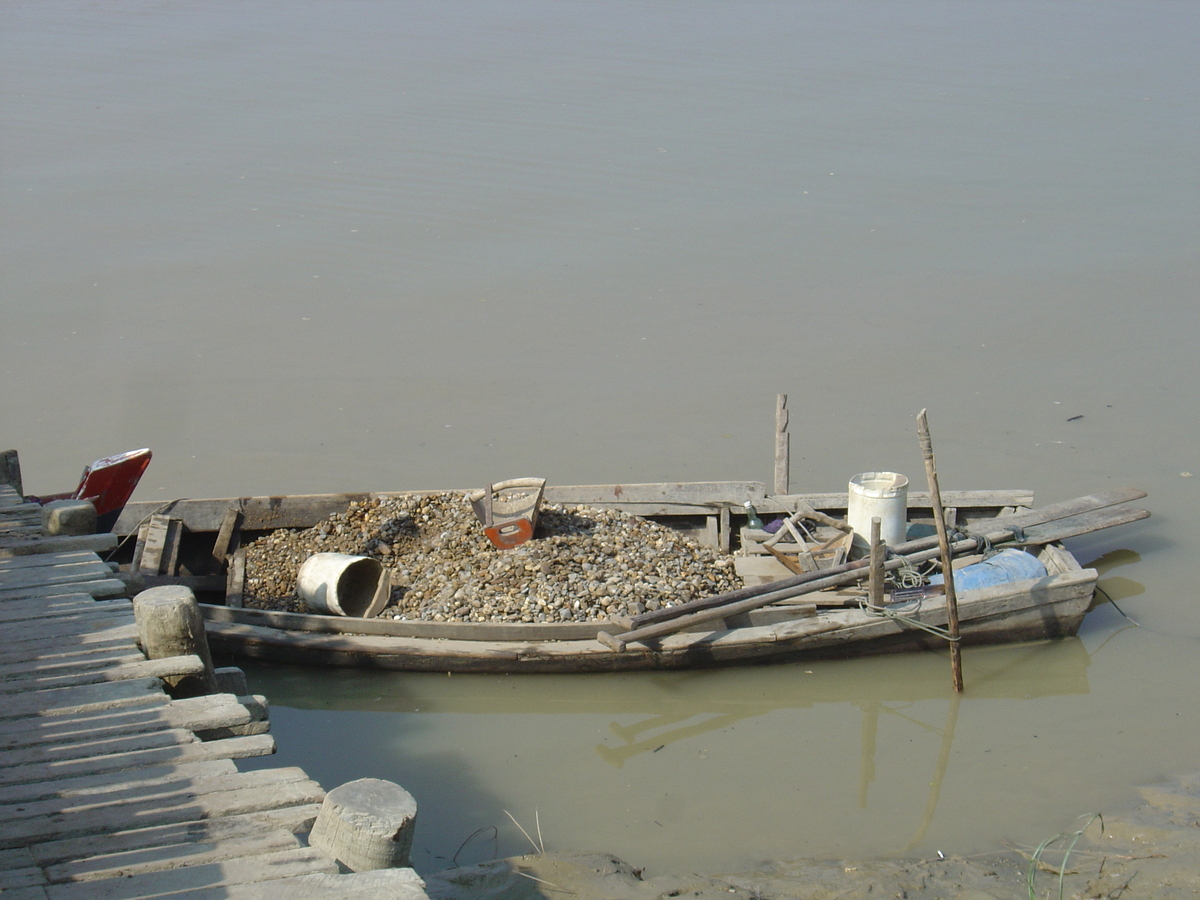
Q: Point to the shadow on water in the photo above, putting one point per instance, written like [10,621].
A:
[624,762]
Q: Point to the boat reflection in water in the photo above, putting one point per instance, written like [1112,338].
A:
[749,741]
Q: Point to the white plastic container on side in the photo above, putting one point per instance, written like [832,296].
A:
[882,494]
[341,585]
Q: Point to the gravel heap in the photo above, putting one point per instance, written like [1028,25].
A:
[582,565]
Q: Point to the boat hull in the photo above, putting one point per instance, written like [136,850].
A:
[1050,607]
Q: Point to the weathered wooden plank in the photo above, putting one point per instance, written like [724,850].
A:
[194,713]
[100,588]
[51,607]
[97,543]
[55,634]
[54,754]
[380,884]
[206,793]
[228,539]
[18,870]
[45,668]
[112,646]
[105,783]
[23,879]
[43,560]
[83,570]
[217,876]
[173,856]
[65,701]
[164,667]
[157,811]
[296,819]
[229,748]
[30,614]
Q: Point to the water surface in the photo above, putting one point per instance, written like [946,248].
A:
[373,245]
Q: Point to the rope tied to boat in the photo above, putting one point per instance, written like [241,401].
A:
[885,612]
[908,576]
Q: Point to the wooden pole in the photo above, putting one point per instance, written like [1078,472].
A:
[782,446]
[876,580]
[939,519]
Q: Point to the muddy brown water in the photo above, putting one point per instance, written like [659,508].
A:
[323,246]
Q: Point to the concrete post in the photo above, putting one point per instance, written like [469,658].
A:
[169,624]
[366,824]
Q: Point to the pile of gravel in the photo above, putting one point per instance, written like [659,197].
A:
[582,565]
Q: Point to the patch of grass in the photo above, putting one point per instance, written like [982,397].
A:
[1035,861]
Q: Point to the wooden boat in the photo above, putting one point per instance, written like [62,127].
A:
[836,623]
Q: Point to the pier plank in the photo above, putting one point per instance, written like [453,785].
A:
[381,884]
[217,876]
[164,793]
[173,856]
[296,819]
[101,587]
[157,811]
[76,629]
[50,653]
[26,608]
[82,570]
[42,560]
[75,750]
[97,543]
[87,785]
[216,711]
[226,748]
[83,698]
[164,667]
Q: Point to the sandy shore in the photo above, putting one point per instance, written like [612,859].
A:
[1150,852]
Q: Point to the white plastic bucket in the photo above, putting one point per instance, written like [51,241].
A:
[341,585]
[882,494]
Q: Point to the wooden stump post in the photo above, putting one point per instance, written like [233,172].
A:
[366,824]
[69,517]
[169,624]
[10,470]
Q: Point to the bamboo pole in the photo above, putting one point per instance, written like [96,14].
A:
[939,518]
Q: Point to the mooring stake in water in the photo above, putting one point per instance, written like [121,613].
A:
[939,521]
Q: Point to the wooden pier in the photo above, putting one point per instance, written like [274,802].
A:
[111,789]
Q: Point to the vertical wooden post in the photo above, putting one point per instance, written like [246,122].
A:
[877,550]
[782,446]
[10,470]
[169,624]
[939,519]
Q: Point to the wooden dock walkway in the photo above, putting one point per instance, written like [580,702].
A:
[110,789]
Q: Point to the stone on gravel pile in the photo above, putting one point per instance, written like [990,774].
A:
[582,565]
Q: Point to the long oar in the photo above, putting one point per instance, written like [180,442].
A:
[1092,517]
[939,519]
